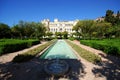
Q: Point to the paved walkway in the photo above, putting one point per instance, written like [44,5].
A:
[108,69]
[8,57]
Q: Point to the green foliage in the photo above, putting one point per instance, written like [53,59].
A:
[107,28]
[26,30]
[113,50]
[86,28]
[118,18]
[71,38]
[113,18]
[58,35]
[29,29]
[65,34]
[61,35]
[48,36]
[11,45]
[40,31]
[108,46]
[5,31]
[16,32]
[109,17]
[31,53]
[91,57]
[89,29]
[22,58]
[102,29]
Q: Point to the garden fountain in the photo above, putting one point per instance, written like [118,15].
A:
[56,67]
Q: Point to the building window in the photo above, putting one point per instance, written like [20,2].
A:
[60,29]
[60,24]
[68,24]
[50,29]
[65,29]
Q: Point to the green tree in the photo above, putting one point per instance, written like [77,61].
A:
[77,30]
[16,33]
[21,26]
[118,18]
[84,28]
[102,29]
[5,31]
[58,35]
[65,34]
[29,29]
[117,31]
[109,17]
[40,31]
[49,35]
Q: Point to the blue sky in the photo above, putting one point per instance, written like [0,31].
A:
[12,11]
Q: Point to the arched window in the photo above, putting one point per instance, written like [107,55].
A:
[60,29]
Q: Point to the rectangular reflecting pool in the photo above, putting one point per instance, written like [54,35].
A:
[60,50]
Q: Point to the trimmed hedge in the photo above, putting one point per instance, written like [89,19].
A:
[22,58]
[107,48]
[8,46]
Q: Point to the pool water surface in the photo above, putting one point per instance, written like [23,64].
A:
[60,50]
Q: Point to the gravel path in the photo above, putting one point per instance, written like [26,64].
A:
[108,69]
[8,57]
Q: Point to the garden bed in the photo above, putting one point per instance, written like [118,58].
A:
[89,56]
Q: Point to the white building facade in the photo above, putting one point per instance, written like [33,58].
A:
[59,26]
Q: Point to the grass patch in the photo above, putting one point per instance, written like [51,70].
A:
[31,53]
[91,57]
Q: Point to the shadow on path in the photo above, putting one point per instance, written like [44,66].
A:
[110,69]
[34,70]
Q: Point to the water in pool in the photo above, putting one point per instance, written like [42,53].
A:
[60,50]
